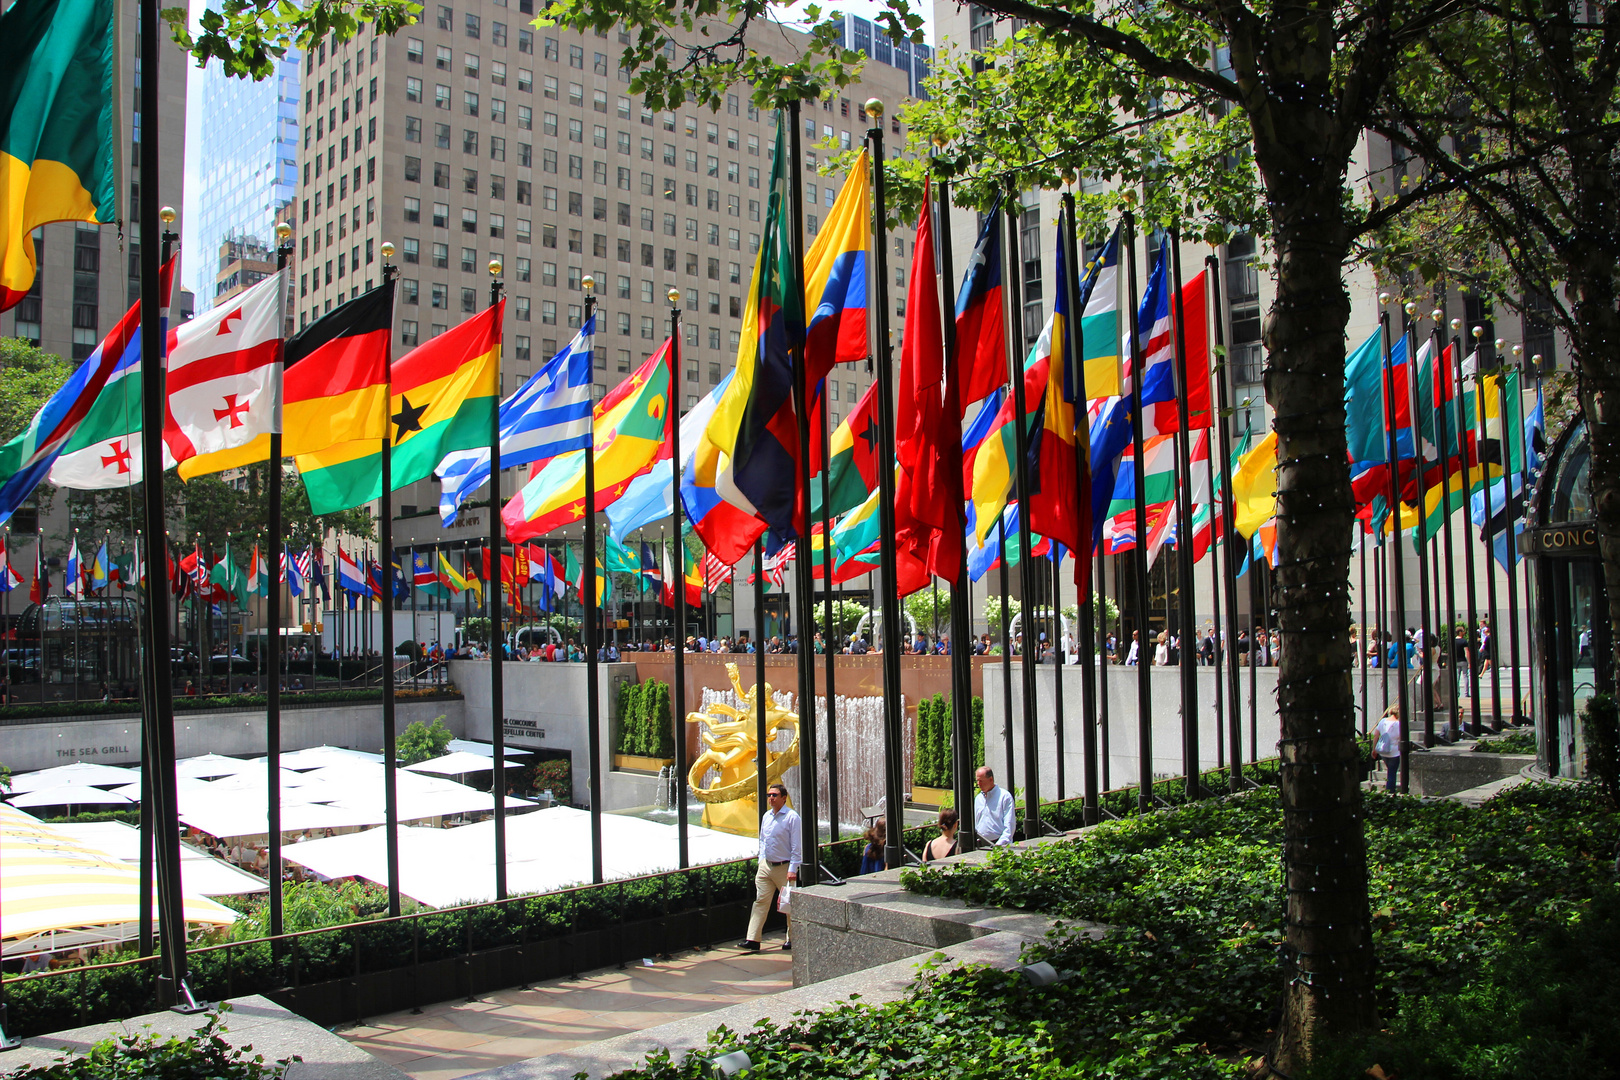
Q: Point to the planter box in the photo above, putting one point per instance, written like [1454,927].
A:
[929,796]
[637,763]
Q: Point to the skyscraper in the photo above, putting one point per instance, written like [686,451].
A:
[247,167]
[473,136]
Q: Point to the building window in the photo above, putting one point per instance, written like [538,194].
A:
[413,209]
[408,334]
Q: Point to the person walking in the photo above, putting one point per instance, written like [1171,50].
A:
[1387,746]
[994,814]
[779,857]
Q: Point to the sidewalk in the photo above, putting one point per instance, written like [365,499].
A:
[454,1038]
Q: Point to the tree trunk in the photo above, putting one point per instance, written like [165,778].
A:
[1327,944]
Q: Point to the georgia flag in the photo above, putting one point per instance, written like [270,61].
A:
[224,379]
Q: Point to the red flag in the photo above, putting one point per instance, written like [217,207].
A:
[929,519]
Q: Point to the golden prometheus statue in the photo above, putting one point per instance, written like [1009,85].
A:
[731,745]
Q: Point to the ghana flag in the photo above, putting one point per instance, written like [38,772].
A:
[442,398]
[56,126]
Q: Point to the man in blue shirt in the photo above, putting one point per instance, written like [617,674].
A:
[994,814]
[780,841]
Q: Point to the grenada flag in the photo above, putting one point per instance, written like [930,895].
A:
[56,127]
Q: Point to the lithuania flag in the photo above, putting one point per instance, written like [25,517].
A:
[442,398]
[56,126]
[632,431]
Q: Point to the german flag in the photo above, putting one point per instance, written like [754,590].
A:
[335,387]
[442,398]
[56,127]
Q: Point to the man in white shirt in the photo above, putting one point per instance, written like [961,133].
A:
[780,848]
[994,814]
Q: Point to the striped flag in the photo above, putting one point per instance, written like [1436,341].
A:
[9,578]
[1099,324]
[715,572]
[549,415]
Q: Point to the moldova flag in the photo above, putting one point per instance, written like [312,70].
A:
[442,398]
[57,109]
[335,386]
[754,424]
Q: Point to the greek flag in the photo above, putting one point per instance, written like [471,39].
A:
[549,415]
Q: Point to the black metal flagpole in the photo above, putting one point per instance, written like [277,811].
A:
[385,533]
[272,646]
[762,701]
[804,601]
[676,461]
[1086,632]
[1391,420]
[492,587]
[1012,277]
[1442,436]
[1470,593]
[1006,654]
[1426,661]
[962,763]
[158,738]
[1186,589]
[830,633]
[1144,685]
[893,705]
[587,599]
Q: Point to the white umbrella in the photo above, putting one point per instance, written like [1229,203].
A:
[317,756]
[209,766]
[453,764]
[80,772]
[484,749]
[69,795]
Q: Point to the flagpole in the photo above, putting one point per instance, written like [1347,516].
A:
[893,705]
[1086,631]
[1489,532]
[1006,654]
[830,635]
[803,588]
[272,648]
[385,532]
[593,697]
[1362,639]
[1186,588]
[1442,430]
[1470,593]
[492,599]
[1027,581]
[962,763]
[1144,686]
[1394,556]
[761,698]
[1511,523]
[677,461]
[158,737]
[1222,566]
[1426,663]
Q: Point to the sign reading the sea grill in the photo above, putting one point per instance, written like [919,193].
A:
[1579,539]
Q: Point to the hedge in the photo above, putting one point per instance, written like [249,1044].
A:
[44,1003]
[216,702]
[646,725]
[933,756]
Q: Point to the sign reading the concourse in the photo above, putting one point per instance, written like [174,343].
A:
[1578,539]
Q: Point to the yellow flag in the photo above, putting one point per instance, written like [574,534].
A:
[1254,487]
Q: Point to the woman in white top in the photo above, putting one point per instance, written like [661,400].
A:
[1161,650]
[1387,745]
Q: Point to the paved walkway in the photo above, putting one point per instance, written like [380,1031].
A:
[455,1038]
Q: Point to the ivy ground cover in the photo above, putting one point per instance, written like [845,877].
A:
[1495,930]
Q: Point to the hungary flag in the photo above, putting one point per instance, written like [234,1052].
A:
[443,398]
[56,126]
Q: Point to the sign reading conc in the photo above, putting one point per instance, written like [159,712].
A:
[1576,539]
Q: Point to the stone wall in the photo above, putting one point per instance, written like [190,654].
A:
[1123,734]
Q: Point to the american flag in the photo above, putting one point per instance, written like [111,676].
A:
[776,565]
[715,572]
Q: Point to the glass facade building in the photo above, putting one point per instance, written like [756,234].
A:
[249,165]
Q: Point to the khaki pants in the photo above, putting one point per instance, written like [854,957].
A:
[766,881]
